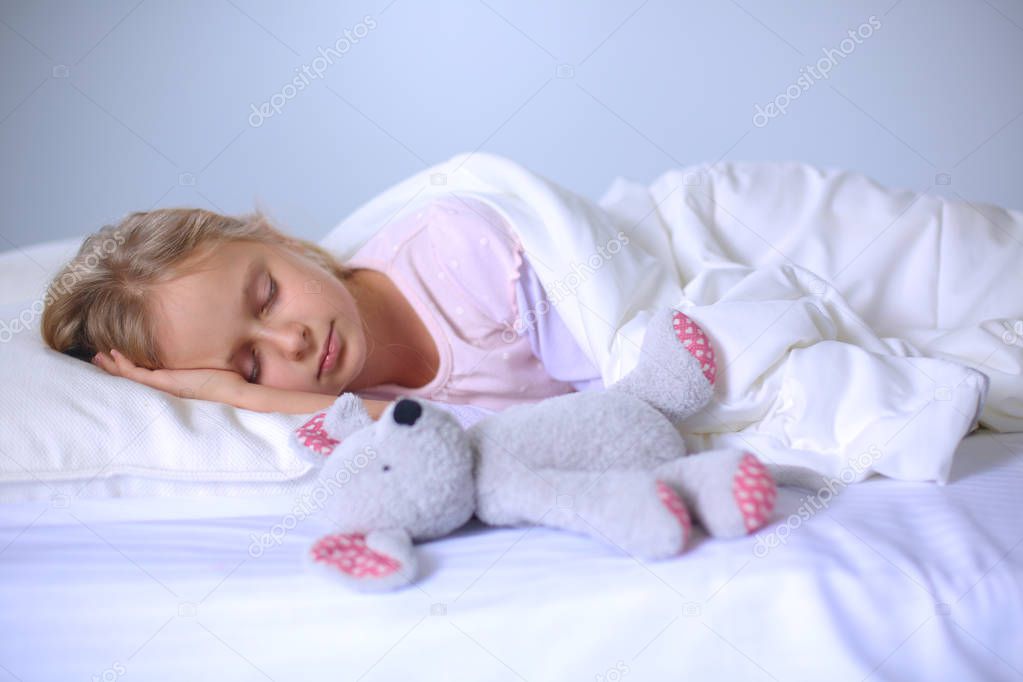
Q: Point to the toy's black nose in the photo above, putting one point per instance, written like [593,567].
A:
[406,411]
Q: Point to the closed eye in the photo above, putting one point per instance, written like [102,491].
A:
[271,298]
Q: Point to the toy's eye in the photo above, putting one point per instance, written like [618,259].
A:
[387,467]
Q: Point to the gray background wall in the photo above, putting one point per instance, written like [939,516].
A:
[109,107]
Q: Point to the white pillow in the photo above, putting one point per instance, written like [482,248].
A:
[72,430]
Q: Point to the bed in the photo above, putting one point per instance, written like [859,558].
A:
[883,579]
[891,581]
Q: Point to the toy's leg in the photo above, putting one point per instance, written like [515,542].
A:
[677,368]
[730,492]
[633,510]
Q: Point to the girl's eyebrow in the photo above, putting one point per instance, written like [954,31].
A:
[248,296]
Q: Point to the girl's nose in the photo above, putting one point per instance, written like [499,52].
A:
[292,338]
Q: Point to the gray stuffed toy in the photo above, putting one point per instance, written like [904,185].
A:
[610,464]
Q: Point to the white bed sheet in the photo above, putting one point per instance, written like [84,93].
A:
[894,580]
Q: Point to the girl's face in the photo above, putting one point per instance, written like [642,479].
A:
[263,312]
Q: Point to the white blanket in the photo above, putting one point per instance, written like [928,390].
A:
[845,315]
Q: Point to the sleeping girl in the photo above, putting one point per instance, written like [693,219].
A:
[233,310]
[828,354]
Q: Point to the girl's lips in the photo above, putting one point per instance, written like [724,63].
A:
[329,360]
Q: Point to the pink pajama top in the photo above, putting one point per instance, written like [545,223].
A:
[461,267]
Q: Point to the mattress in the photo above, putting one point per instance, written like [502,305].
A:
[881,579]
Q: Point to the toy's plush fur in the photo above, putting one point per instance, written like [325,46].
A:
[610,464]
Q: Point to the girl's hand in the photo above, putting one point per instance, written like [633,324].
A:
[220,385]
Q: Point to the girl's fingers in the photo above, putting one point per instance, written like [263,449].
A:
[129,370]
[117,361]
[126,366]
[103,362]
[175,382]
[118,365]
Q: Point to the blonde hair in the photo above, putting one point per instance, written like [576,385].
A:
[98,300]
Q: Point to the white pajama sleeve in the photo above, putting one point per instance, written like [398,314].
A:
[552,342]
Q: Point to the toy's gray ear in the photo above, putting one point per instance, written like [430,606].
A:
[346,416]
[317,438]
[378,561]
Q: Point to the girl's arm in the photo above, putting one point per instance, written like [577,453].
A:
[225,386]
[269,399]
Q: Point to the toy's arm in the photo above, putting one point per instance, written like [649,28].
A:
[677,368]
[376,562]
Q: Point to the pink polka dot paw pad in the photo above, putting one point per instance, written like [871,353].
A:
[754,491]
[670,499]
[696,342]
[314,436]
[348,553]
